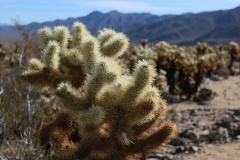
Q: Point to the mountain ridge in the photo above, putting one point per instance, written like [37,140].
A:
[213,27]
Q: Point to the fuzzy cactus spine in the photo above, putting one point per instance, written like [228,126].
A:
[108,114]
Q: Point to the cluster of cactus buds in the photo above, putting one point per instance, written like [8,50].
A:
[107,114]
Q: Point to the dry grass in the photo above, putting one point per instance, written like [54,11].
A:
[22,109]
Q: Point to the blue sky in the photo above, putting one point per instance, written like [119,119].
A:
[46,10]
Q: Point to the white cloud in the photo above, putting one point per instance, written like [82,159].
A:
[126,5]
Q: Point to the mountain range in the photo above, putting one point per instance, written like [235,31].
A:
[213,27]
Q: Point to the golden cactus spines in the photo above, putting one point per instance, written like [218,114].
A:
[46,35]
[114,44]
[110,113]
[51,55]
[79,31]
[61,35]
[90,50]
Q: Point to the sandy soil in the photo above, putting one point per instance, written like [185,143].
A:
[224,106]
[228,95]
[229,151]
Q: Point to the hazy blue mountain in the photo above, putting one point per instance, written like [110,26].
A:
[4,25]
[94,21]
[213,27]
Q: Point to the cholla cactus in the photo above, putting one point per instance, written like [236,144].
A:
[107,114]
[2,53]
[202,48]
[2,57]
[205,64]
[234,52]
[141,52]
[59,62]
[170,59]
[161,81]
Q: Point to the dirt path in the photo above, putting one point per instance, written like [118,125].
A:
[228,95]
[230,151]
[198,119]
[228,98]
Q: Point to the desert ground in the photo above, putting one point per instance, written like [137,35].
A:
[206,132]
[209,130]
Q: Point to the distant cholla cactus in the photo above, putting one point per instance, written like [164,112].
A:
[185,67]
[222,57]
[107,114]
[234,52]
[140,52]
[202,48]
[205,64]
[144,42]
[2,57]
[161,81]
[2,53]
[170,59]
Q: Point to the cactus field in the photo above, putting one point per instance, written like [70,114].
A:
[74,95]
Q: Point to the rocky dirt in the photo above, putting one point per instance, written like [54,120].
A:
[206,132]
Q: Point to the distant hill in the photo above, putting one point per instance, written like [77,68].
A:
[94,21]
[213,27]
[3,25]
[97,20]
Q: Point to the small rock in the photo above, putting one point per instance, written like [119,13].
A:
[157,156]
[189,135]
[177,142]
[220,135]
[237,112]
[180,149]
[193,149]
[193,112]
[224,123]
[223,132]
[236,133]
[204,132]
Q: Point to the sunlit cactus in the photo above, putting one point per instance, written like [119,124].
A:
[234,52]
[161,81]
[107,114]
[205,64]
[170,59]
[141,52]
[59,62]
[186,67]
[222,59]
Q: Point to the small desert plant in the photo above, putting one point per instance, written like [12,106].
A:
[2,56]
[106,114]
[234,53]
[17,108]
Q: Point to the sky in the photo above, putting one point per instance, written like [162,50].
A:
[28,11]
